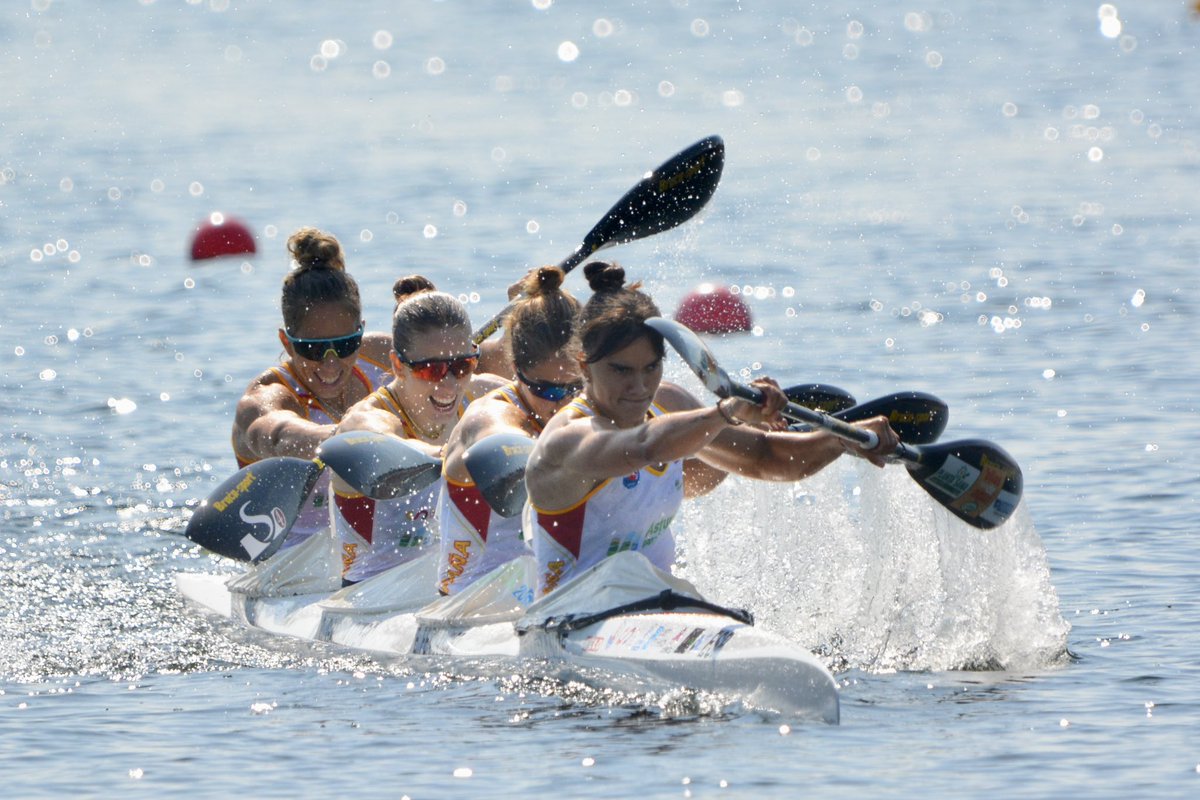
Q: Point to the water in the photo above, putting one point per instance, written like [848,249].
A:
[990,202]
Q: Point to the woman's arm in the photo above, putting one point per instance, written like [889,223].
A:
[269,421]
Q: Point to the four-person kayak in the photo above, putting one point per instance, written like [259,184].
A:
[623,625]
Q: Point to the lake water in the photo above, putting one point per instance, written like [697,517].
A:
[992,202]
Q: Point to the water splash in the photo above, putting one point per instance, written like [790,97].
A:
[870,572]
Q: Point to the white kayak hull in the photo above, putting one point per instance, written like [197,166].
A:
[652,650]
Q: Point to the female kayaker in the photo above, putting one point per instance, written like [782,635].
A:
[433,379]
[611,468]
[474,539]
[329,364]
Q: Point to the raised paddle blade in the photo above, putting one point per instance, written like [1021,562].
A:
[497,465]
[820,396]
[381,466]
[916,417]
[666,198]
[249,515]
[975,480]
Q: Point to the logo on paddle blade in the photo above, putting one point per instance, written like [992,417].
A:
[255,541]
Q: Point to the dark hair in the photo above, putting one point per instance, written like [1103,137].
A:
[543,322]
[613,318]
[410,285]
[319,277]
[423,311]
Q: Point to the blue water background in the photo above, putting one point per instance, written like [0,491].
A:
[993,202]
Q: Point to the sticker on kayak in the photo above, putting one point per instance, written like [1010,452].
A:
[625,637]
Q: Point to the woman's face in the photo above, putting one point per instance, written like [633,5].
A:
[433,373]
[315,359]
[622,385]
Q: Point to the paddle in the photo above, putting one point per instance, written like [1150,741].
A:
[379,465]
[974,479]
[249,515]
[820,396]
[917,417]
[665,198]
[496,464]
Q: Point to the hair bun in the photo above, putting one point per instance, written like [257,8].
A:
[315,249]
[604,277]
[542,281]
[409,285]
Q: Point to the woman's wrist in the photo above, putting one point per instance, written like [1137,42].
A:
[726,414]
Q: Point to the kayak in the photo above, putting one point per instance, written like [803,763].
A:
[623,625]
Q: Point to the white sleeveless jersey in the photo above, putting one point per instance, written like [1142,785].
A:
[474,539]
[314,514]
[376,535]
[633,512]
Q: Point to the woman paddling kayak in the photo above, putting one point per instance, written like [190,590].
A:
[474,538]
[329,365]
[611,469]
[433,379]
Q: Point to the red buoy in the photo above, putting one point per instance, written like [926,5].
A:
[713,309]
[221,236]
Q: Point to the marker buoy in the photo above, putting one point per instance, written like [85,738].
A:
[220,235]
[713,309]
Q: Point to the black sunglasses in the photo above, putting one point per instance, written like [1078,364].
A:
[317,349]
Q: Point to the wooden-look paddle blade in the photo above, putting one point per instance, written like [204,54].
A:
[820,396]
[975,480]
[496,464]
[378,465]
[249,515]
[665,198]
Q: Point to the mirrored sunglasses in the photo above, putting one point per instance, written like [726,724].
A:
[547,390]
[318,349]
[435,369]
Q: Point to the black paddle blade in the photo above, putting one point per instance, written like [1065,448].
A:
[497,465]
[378,465]
[975,480]
[820,396]
[916,417]
[250,513]
[667,197]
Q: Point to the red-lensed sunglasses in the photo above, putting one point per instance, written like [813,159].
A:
[435,369]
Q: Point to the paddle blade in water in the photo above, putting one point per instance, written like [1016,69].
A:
[378,465]
[820,397]
[916,417]
[249,515]
[975,480]
[497,465]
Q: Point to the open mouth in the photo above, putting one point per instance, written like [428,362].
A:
[441,406]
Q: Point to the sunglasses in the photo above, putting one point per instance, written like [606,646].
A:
[435,369]
[550,391]
[317,349]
